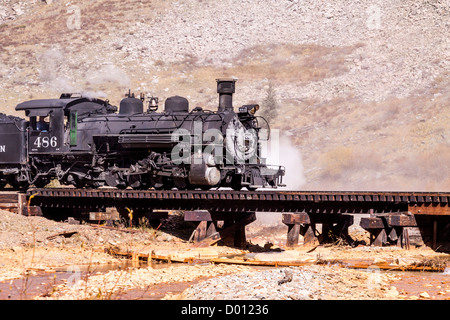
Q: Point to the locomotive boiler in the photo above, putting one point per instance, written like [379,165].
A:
[90,143]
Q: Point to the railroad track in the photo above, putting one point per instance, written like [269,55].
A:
[245,201]
[436,197]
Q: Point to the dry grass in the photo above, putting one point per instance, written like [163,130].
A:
[433,262]
[336,161]
[288,62]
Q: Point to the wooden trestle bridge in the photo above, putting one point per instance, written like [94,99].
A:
[223,214]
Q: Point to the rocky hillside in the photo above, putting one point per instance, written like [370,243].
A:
[361,87]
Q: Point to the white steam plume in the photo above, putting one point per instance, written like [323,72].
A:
[109,73]
[281,151]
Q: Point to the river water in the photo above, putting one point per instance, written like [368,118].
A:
[411,285]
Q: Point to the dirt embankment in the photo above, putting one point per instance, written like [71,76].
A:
[32,245]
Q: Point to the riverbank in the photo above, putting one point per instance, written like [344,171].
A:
[30,246]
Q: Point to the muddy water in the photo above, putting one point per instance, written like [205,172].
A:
[156,292]
[31,286]
[411,285]
[424,285]
[41,283]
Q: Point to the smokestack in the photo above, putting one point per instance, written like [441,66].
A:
[225,89]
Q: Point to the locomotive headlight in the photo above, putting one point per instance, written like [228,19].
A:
[254,109]
[249,109]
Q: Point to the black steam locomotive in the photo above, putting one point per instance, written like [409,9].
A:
[84,142]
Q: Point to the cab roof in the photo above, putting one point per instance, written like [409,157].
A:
[42,107]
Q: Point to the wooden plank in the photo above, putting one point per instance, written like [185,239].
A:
[401,221]
[380,238]
[405,237]
[114,228]
[293,234]
[109,214]
[371,223]
[429,209]
[296,218]
[309,236]
[8,197]
[200,231]
[197,216]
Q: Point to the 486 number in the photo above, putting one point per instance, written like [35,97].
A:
[45,142]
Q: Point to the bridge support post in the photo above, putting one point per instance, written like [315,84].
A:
[298,223]
[389,228]
[229,228]
[333,226]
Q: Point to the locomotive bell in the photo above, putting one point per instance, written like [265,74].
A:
[152,103]
[225,89]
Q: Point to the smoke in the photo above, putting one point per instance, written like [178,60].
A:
[51,71]
[94,94]
[50,62]
[58,74]
[109,73]
[281,151]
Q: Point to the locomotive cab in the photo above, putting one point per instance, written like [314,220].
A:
[59,133]
[46,125]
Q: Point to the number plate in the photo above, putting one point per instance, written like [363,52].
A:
[44,142]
